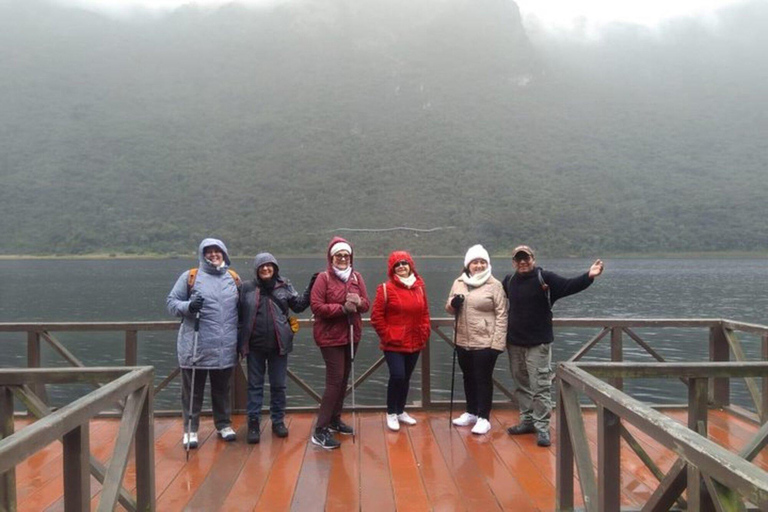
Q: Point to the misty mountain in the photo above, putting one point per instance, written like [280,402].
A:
[271,127]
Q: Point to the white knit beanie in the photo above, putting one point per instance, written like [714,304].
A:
[475,252]
[340,246]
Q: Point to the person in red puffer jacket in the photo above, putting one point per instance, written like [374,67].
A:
[338,298]
[400,317]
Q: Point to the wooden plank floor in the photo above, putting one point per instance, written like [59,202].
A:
[428,466]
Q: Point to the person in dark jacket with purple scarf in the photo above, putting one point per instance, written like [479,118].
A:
[265,337]
[531,292]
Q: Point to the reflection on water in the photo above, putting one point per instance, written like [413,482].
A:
[129,290]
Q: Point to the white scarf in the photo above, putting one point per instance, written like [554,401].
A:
[478,279]
[407,281]
[343,274]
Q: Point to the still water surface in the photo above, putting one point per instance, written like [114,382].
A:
[130,290]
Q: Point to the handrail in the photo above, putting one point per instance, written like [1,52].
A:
[69,424]
[708,471]
[721,345]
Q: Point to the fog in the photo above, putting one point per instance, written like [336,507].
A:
[142,128]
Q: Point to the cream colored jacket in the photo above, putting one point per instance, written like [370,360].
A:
[482,321]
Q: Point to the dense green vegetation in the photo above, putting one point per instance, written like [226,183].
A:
[271,128]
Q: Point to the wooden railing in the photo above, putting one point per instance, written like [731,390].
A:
[70,425]
[722,337]
[715,478]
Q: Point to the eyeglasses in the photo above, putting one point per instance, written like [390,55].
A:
[521,257]
[341,256]
[402,264]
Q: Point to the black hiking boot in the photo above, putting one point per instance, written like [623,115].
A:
[324,439]
[521,428]
[279,429]
[543,439]
[254,434]
[342,428]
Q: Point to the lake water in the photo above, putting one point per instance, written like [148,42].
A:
[130,290]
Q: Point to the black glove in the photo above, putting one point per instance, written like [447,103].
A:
[456,302]
[196,303]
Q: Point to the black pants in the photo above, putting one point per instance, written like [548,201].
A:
[219,396]
[401,366]
[477,369]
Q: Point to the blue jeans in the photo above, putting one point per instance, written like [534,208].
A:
[277,366]
[401,368]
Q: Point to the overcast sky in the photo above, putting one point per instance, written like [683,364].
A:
[575,17]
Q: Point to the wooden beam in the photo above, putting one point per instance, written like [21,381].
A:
[675,370]
[304,386]
[426,377]
[588,345]
[77,479]
[608,460]
[35,376]
[62,350]
[670,489]
[580,444]
[723,498]
[167,380]
[131,347]
[617,354]
[720,392]
[7,479]
[113,479]
[564,459]
[34,360]
[145,457]
[738,354]
[764,386]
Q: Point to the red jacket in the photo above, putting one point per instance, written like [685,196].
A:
[329,293]
[402,320]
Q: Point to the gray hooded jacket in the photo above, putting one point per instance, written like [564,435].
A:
[217,339]
[282,298]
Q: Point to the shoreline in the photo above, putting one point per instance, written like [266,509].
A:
[639,256]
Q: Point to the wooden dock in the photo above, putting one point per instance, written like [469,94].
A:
[428,466]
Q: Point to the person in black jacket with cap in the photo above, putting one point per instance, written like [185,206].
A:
[531,292]
[265,337]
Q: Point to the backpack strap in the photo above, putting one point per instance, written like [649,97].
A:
[544,286]
[192,277]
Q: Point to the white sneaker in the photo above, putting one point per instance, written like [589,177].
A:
[465,420]
[227,434]
[483,426]
[406,418]
[189,439]
[392,423]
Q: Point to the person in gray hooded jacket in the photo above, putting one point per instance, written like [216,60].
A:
[212,291]
[265,337]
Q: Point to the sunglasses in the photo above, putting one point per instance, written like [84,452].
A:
[341,256]
[402,264]
[520,257]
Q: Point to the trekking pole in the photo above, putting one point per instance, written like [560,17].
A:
[352,355]
[192,385]
[453,368]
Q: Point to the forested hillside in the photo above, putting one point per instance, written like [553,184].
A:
[270,128]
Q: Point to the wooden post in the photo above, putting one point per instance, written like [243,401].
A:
[145,455]
[7,479]
[608,460]
[698,497]
[34,361]
[564,457]
[720,388]
[77,470]
[426,383]
[617,354]
[131,348]
[764,398]
[239,385]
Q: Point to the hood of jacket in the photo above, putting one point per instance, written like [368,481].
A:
[207,267]
[263,258]
[328,256]
[396,256]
